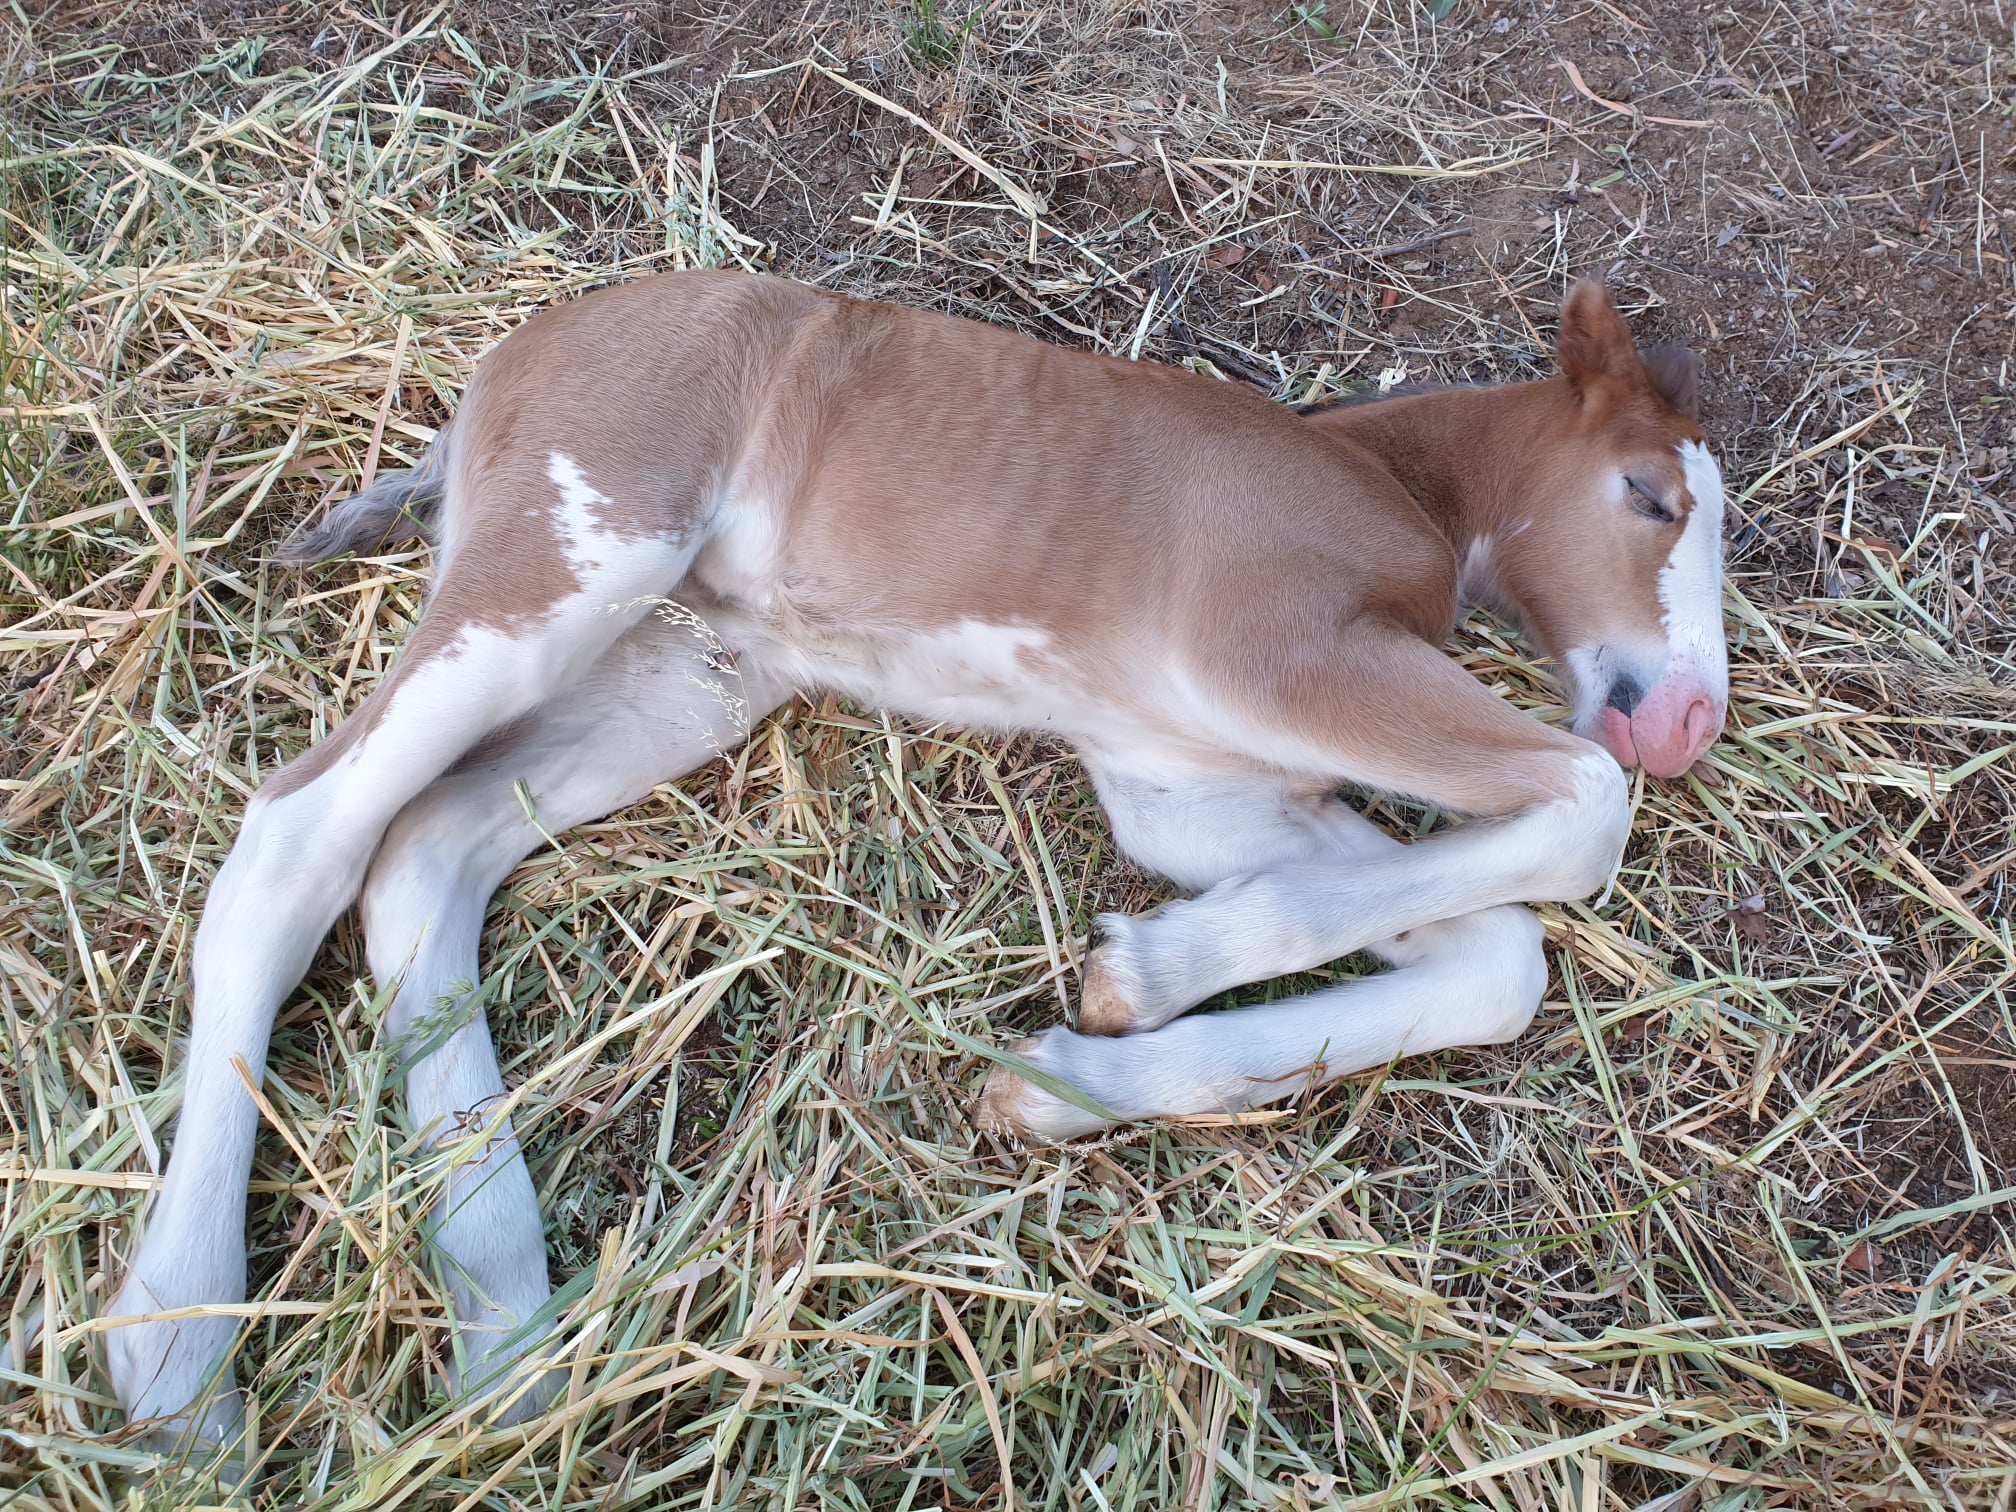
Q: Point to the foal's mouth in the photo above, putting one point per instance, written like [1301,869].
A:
[1664,729]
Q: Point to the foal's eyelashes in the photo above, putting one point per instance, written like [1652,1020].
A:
[1646,500]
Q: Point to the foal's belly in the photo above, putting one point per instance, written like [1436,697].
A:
[997,677]
[839,631]
[1004,678]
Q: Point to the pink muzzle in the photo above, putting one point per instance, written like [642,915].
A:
[1667,730]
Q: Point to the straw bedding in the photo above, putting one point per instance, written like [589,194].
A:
[1729,1227]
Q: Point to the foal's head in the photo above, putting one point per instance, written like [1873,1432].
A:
[1609,543]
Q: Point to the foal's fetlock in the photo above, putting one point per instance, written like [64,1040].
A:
[1110,995]
[1012,1107]
[171,1374]
[512,1390]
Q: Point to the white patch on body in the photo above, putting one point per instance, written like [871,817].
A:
[1477,579]
[994,676]
[975,672]
[590,546]
[576,492]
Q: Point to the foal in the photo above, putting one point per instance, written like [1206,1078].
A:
[1231,611]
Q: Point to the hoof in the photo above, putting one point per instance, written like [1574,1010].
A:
[1103,1006]
[1109,998]
[1016,1109]
[1006,1101]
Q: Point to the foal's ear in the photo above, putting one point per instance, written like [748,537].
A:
[1676,373]
[1594,343]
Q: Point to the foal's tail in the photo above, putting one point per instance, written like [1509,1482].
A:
[398,506]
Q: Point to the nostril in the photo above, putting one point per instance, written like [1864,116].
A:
[1700,721]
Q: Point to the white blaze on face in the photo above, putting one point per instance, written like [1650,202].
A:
[1675,685]
[1690,584]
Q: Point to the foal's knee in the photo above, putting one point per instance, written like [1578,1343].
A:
[1497,956]
[1591,825]
[1512,944]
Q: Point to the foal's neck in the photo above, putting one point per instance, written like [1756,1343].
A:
[1459,451]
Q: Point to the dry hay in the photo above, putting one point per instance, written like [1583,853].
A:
[1727,1228]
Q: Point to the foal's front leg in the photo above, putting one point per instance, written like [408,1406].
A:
[1557,815]
[1476,980]
[1295,918]
[1552,815]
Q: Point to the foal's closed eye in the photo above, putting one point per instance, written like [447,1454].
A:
[1645,499]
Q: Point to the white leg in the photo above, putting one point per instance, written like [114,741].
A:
[1293,918]
[1472,979]
[300,856]
[1200,828]
[1464,981]
[652,710]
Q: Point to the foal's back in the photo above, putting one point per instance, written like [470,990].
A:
[858,466]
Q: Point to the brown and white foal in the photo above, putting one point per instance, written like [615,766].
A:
[1232,611]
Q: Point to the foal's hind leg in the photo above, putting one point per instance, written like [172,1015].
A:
[570,589]
[655,707]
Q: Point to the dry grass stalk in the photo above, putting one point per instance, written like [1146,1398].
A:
[1669,1250]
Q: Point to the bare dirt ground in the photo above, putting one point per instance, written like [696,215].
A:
[1729,1227]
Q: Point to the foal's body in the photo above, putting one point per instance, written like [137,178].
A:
[1230,610]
